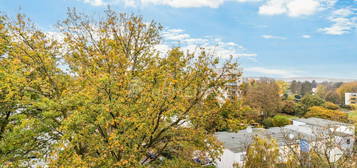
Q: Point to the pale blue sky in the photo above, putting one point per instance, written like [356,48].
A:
[274,38]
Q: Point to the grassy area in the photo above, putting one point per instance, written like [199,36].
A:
[290,117]
[353,115]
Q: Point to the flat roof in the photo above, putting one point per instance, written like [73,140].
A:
[320,122]
[239,141]
[236,142]
[290,134]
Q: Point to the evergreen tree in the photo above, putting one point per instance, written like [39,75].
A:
[306,88]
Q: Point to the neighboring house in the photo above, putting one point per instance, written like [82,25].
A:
[350,98]
[232,89]
[304,134]
[323,124]
[337,134]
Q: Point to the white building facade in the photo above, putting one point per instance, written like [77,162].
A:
[350,98]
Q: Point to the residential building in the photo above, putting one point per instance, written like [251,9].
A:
[350,98]
[311,133]
[232,88]
[323,124]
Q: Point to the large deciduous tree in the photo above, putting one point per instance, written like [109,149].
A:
[264,96]
[327,91]
[101,95]
[350,87]
[32,93]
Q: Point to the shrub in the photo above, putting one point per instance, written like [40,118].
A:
[312,100]
[279,121]
[347,107]
[353,106]
[268,122]
[322,112]
[276,121]
[289,107]
[300,109]
[331,106]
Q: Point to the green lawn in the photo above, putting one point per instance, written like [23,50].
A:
[353,115]
[288,116]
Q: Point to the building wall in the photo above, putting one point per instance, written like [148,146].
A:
[298,123]
[345,143]
[229,158]
[346,129]
[335,152]
[350,98]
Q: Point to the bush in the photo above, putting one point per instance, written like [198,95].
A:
[279,121]
[331,106]
[276,121]
[322,112]
[353,106]
[289,107]
[300,109]
[268,122]
[312,100]
[293,108]
[347,107]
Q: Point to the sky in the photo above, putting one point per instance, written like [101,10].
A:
[270,38]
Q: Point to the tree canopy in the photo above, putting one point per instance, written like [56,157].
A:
[263,95]
[101,95]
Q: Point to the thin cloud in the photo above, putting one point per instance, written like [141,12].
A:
[273,37]
[273,72]
[305,36]
[222,49]
[129,3]
[171,3]
[343,21]
[294,8]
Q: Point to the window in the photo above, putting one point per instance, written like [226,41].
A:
[348,141]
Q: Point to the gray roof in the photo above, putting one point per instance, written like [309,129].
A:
[236,142]
[320,122]
[239,141]
[286,135]
[290,134]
